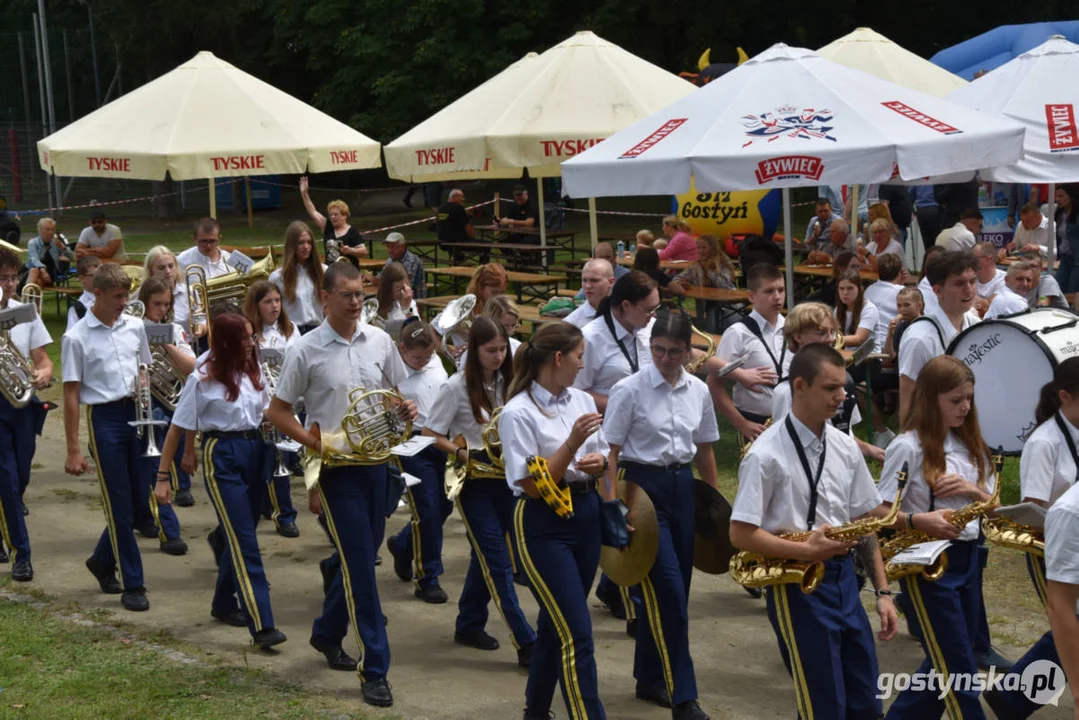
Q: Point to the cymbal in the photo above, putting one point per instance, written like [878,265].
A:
[629,566]
[712,549]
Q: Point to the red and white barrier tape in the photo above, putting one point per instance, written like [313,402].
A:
[103,203]
[432,218]
[617,212]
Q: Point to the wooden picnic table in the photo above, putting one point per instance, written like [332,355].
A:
[825,271]
[627,261]
[561,239]
[522,280]
[515,253]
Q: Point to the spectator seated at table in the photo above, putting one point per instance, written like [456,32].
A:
[839,240]
[454,222]
[101,239]
[1011,298]
[605,251]
[756,250]
[883,241]
[647,261]
[680,244]
[521,214]
[645,238]
[397,247]
[880,211]
[819,230]
[48,257]
[1046,291]
[962,235]
[1032,232]
[844,261]
[712,268]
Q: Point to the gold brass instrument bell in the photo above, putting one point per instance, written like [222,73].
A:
[31,295]
[16,370]
[456,317]
[495,468]
[198,302]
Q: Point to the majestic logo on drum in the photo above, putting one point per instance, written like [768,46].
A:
[788,121]
[977,351]
[1069,348]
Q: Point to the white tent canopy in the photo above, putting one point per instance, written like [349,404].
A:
[205,119]
[536,113]
[869,51]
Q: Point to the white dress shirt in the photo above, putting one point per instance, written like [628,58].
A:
[272,337]
[28,336]
[929,298]
[774,492]
[104,360]
[87,299]
[306,309]
[181,312]
[869,319]
[534,422]
[203,405]
[782,401]
[883,294]
[921,341]
[192,256]
[987,290]
[1062,540]
[422,387]
[917,496]
[1038,236]
[323,368]
[604,363]
[583,315]
[452,414]
[657,424]
[1005,302]
[957,237]
[739,341]
[1047,468]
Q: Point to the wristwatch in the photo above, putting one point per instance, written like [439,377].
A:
[882,593]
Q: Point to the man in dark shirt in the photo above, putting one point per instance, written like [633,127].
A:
[521,214]
[454,224]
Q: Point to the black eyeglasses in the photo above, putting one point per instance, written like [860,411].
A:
[672,353]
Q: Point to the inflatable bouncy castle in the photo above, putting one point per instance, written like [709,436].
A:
[990,50]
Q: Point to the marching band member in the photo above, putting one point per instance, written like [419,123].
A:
[488,281]
[1062,572]
[505,312]
[273,329]
[395,295]
[85,269]
[225,398]
[19,426]
[300,277]
[545,416]
[597,279]
[161,263]
[949,467]
[156,296]
[804,474]
[419,543]
[486,504]
[207,252]
[101,357]
[657,422]
[325,365]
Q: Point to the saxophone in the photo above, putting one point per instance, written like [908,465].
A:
[756,571]
[694,364]
[744,445]
[1010,534]
[957,518]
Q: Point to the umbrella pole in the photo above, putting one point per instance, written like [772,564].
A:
[854,212]
[1052,240]
[213,200]
[788,255]
[542,220]
[593,228]
[247,194]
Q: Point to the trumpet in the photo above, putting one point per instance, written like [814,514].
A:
[144,418]
[31,295]
[755,571]
[495,467]
[198,304]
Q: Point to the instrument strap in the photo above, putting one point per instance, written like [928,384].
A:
[814,480]
[754,328]
[634,362]
[1069,440]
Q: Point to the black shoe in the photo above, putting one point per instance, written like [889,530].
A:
[106,577]
[184,498]
[432,594]
[175,546]
[216,546]
[268,637]
[267,514]
[612,600]
[657,695]
[689,711]
[402,563]
[336,657]
[479,640]
[135,600]
[149,531]
[521,579]
[377,693]
[23,571]
[753,592]
[288,530]
[3,553]
[996,704]
[385,621]
[378,559]
[235,618]
[328,574]
[524,655]
[991,658]
[631,628]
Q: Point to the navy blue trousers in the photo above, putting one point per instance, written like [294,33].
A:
[422,536]
[279,493]
[24,425]
[1018,704]
[179,479]
[12,524]
[235,471]
[948,614]
[631,596]
[560,558]
[662,655]
[486,505]
[117,451]
[827,645]
[354,505]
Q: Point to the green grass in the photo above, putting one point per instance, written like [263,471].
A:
[53,668]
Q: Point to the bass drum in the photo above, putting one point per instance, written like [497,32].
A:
[1012,358]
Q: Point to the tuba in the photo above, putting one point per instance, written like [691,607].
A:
[166,380]
[957,518]
[198,304]
[16,370]
[494,467]
[456,316]
[31,295]
[695,364]
[370,429]
[755,571]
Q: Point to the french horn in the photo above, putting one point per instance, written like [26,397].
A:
[494,468]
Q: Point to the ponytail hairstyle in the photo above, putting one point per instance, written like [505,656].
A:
[416,335]
[674,325]
[1066,379]
[483,331]
[228,361]
[634,286]
[539,351]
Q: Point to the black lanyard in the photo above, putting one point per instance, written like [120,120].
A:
[1069,440]
[814,481]
[634,365]
[759,334]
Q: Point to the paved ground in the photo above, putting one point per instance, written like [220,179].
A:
[738,667]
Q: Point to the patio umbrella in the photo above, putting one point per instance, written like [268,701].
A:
[867,50]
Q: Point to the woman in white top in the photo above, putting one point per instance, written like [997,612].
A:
[948,468]
[161,263]
[417,548]
[300,277]
[883,242]
[503,311]
[546,417]
[857,318]
[658,421]
[467,401]
[225,399]
[395,301]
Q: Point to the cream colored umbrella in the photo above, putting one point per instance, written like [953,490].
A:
[205,119]
[538,112]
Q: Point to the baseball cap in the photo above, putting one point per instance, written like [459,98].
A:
[394,237]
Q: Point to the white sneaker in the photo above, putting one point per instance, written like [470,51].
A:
[882,439]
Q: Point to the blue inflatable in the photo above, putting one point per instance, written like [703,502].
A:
[994,48]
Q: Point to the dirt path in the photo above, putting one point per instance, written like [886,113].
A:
[739,672]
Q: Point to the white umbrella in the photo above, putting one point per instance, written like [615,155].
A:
[869,51]
[205,119]
[1036,89]
[538,112]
